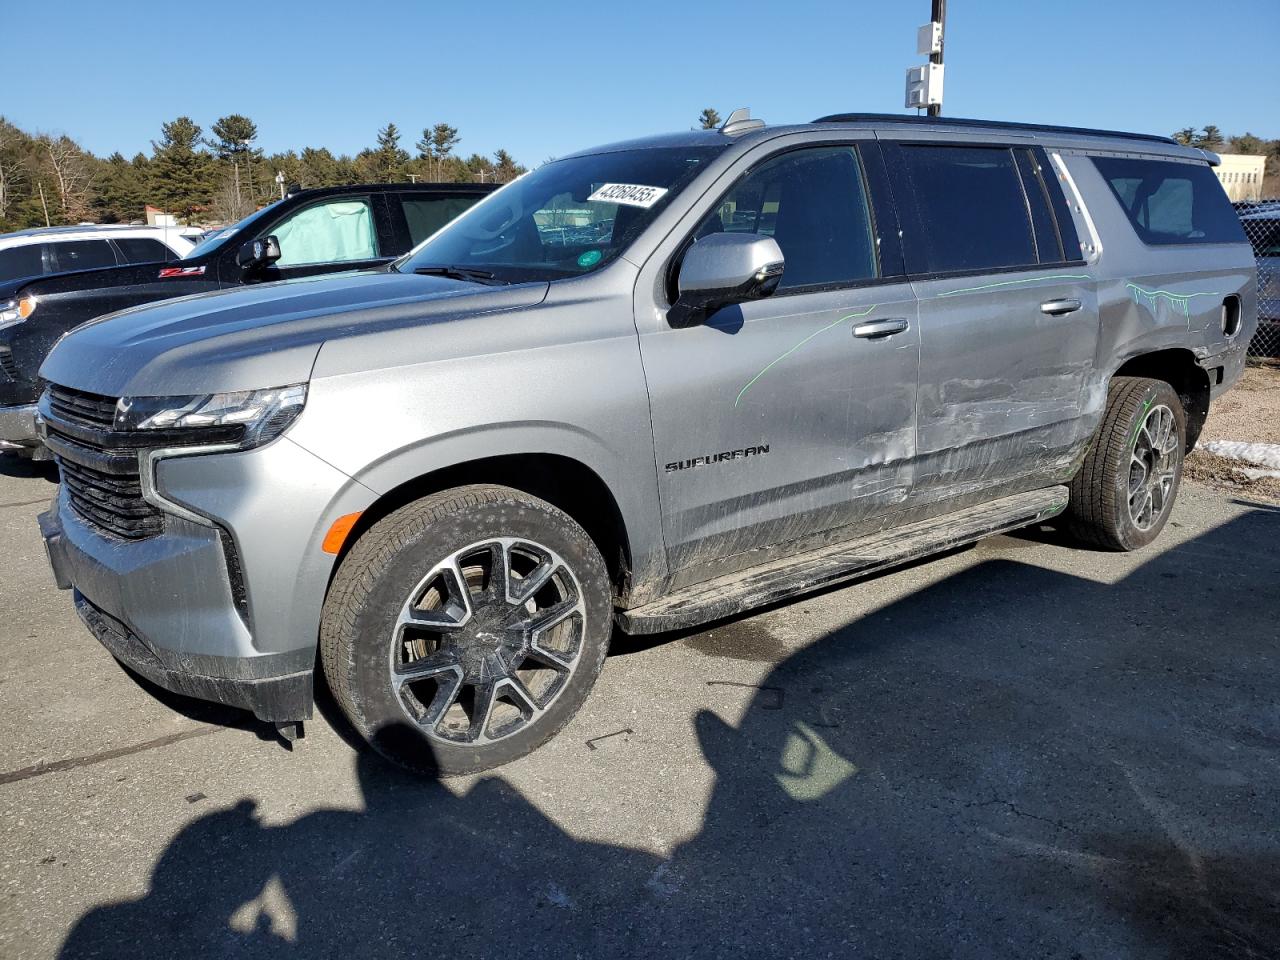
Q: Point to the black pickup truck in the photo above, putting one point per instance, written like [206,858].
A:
[308,232]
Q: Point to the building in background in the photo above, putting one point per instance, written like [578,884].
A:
[1241,175]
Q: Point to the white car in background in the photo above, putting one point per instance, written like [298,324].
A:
[44,250]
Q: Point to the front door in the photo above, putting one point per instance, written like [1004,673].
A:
[791,417]
[329,236]
[1008,319]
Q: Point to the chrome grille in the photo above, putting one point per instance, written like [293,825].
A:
[9,365]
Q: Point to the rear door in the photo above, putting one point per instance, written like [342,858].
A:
[417,215]
[790,417]
[1008,317]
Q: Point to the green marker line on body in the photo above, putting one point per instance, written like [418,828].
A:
[1014,283]
[774,362]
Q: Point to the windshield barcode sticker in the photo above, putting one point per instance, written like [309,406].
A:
[629,194]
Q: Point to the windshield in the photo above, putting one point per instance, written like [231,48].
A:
[567,218]
[216,239]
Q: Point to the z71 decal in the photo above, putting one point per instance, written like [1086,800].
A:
[167,273]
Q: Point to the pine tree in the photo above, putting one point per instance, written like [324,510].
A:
[505,167]
[181,179]
[387,161]
[710,119]
[120,193]
[436,145]
[1210,138]
[232,143]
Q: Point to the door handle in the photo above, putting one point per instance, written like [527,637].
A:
[1059,308]
[875,329]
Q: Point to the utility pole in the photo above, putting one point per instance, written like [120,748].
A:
[939,16]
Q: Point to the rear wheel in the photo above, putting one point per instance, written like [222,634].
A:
[464,630]
[1124,492]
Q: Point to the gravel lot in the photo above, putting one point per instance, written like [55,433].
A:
[1248,412]
[1017,750]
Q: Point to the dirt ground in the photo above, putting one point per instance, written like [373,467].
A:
[1249,412]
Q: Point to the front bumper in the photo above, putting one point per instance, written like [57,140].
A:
[18,432]
[226,609]
[275,687]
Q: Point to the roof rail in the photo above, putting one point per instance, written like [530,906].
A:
[985,124]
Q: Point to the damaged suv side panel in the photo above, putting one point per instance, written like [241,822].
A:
[644,386]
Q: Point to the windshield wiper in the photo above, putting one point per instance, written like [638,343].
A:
[461,273]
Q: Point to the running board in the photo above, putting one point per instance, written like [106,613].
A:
[780,579]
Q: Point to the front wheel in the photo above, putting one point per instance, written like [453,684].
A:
[1124,492]
[464,630]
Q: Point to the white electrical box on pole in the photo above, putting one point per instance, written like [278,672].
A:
[924,83]
[929,39]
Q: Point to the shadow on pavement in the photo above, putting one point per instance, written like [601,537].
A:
[12,465]
[1012,762]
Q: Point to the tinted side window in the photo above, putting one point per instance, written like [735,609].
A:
[814,203]
[973,213]
[335,231]
[82,254]
[426,215]
[1171,202]
[19,262]
[143,250]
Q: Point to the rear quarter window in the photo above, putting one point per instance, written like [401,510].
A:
[143,250]
[1170,202]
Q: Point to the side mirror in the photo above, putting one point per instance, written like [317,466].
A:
[723,269]
[258,253]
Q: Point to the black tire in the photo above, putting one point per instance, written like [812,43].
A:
[1099,512]
[360,645]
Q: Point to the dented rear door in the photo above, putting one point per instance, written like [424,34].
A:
[1008,318]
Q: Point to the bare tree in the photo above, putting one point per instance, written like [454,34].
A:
[72,173]
[230,203]
[10,167]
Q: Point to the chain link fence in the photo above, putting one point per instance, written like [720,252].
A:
[1261,221]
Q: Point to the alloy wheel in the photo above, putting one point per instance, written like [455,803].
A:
[1153,467]
[487,641]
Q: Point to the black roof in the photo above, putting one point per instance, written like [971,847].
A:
[927,121]
[463,188]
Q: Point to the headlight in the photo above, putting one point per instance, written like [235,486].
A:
[247,417]
[15,311]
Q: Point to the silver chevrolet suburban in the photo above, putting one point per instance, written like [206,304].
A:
[647,386]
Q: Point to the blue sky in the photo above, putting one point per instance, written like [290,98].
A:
[543,78]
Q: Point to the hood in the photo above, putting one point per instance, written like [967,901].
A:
[47,283]
[261,336]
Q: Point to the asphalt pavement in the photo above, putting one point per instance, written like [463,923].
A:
[1017,750]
